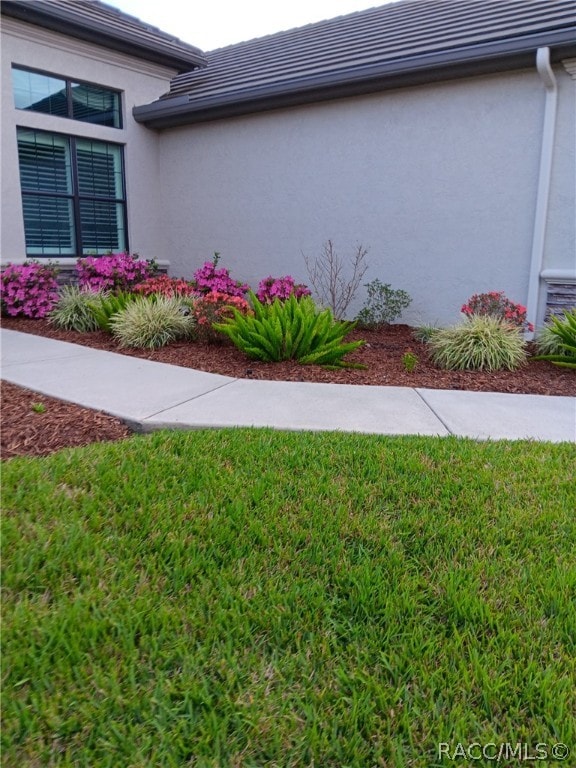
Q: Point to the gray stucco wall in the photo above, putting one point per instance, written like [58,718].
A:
[439,182]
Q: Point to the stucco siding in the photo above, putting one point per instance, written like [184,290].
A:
[138,81]
[438,182]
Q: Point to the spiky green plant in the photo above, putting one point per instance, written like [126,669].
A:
[152,323]
[482,342]
[293,329]
[108,305]
[563,330]
[424,333]
[74,310]
[548,342]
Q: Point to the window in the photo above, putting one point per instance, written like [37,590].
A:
[38,92]
[72,195]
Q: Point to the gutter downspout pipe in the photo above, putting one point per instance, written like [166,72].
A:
[544,181]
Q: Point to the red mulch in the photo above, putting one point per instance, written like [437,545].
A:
[382,356]
[26,432]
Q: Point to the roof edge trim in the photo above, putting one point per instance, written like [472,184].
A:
[58,20]
[445,65]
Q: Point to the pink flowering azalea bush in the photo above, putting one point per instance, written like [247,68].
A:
[209,279]
[497,304]
[212,308]
[116,272]
[28,289]
[271,288]
[162,285]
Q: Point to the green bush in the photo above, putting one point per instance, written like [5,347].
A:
[482,342]
[293,329]
[74,310]
[108,305]
[383,306]
[557,342]
[152,323]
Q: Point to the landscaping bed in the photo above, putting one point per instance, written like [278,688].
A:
[381,354]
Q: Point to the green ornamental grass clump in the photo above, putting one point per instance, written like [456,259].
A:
[293,329]
[557,342]
[482,343]
[151,323]
[74,310]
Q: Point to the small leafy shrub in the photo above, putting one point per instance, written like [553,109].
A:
[150,324]
[271,288]
[208,279]
[214,307]
[497,304]
[116,272]
[74,310]
[424,333]
[38,407]
[293,329]
[564,329]
[108,305]
[483,343]
[383,306]
[409,361]
[28,289]
[162,285]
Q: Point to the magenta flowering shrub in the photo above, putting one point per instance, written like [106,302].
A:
[28,289]
[117,272]
[271,288]
[209,279]
[497,304]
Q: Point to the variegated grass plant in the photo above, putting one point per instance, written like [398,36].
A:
[150,322]
[482,343]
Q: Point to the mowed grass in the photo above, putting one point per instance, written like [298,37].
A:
[256,598]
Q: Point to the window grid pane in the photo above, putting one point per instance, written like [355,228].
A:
[102,226]
[99,169]
[45,164]
[92,104]
[49,225]
[39,93]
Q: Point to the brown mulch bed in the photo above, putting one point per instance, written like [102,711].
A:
[382,356]
[27,432]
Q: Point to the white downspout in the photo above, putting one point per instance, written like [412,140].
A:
[544,179]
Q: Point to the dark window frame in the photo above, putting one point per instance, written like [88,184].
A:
[76,196]
[69,82]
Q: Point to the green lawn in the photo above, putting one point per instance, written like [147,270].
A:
[256,598]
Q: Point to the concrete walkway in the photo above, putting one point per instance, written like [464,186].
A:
[151,396]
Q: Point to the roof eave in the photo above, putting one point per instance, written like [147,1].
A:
[446,65]
[58,20]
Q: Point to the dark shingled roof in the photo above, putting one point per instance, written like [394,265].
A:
[104,25]
[402,43]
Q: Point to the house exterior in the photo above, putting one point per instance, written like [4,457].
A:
[438,134]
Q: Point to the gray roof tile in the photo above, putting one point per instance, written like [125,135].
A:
[395,32]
